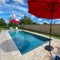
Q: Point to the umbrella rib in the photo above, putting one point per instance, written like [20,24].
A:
[43,1]
[43,12]
[34,1]
[37,9]
[58,12]
[51,12]
[54,3]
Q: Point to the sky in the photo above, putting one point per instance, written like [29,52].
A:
[19,8]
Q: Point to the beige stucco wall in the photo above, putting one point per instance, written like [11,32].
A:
[44,28]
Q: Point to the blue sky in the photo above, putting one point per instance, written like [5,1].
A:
[19,8]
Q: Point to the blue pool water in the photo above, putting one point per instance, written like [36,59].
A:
[27,41]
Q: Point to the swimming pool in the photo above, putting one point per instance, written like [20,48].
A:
[26,41]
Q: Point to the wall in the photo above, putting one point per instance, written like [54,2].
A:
[44,28]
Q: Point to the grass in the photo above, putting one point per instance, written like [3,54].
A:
[52,35]
[3,28]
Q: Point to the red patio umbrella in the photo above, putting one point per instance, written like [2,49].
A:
[49,9]
[14,21]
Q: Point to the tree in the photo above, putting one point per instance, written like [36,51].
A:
[35,23]
[26,20]
[12,24]
[45,23]
[2,22]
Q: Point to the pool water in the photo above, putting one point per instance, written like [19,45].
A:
[26,42]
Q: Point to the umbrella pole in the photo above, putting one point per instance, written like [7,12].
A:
[49,47]
[50,33]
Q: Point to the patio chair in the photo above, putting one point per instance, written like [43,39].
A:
[11,28]
[16,28]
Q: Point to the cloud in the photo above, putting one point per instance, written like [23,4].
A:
[16,7]
[56,19]
[1,12]
[45,21]
[48,22]
[32,17]
[16,15]
[8,9]
[7,21]
[2,1]
[7,0]
[58,22]
[20,1]
[39,19]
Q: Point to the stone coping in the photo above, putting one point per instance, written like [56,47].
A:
[9,51]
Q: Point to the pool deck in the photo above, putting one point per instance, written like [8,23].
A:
[9,51]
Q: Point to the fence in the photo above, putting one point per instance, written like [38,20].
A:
[44,28]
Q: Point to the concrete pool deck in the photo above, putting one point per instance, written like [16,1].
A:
[9,51]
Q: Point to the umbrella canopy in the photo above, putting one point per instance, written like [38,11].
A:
[14,21]
[44,8]
[49,9]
